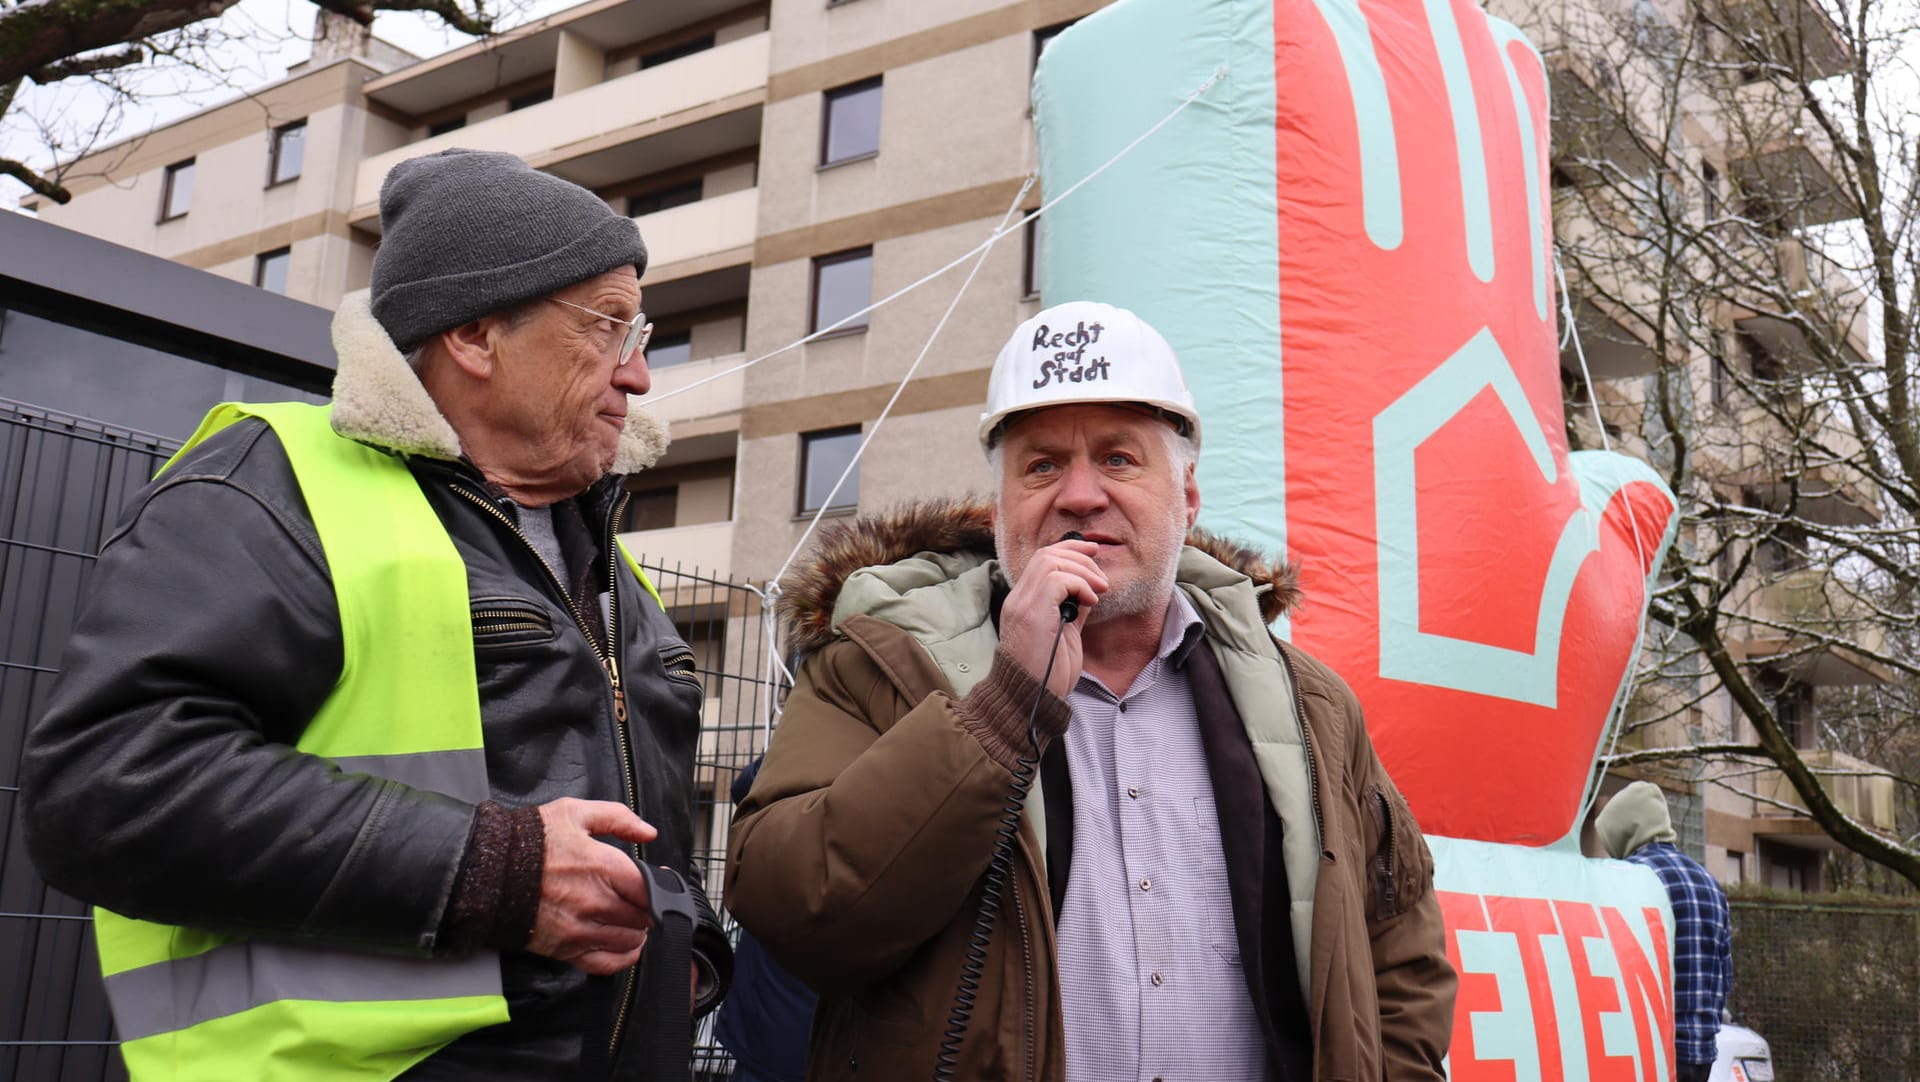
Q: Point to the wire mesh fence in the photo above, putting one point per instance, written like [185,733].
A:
[1834,986]
[64,483]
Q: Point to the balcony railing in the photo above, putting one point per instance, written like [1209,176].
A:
[707,547]
[1851,783]
[682,239]
[1780,156]
[1813,604]
[585,120]
[715,399]
[1828,295]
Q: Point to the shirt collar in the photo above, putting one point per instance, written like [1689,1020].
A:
[1181,631]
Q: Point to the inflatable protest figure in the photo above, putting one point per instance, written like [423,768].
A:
[1347,236]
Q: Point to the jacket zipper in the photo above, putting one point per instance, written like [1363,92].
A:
[496,621]
[631,780]
[1306,737]
[681,665]
[610,665]
[1026,955]
[1383,860]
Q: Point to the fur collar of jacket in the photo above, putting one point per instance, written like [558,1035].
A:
[809,591]
[379,400]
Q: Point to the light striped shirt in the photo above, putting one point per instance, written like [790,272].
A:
[1150,980]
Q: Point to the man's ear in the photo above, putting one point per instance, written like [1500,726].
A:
[1193,496]
[472,347]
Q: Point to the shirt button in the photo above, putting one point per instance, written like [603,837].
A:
[1133,791]
[1155,979]
[1123,706]
[1146,884]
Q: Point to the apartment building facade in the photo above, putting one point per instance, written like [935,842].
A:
[789,162]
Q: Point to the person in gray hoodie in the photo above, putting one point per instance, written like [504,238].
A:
[1635,826]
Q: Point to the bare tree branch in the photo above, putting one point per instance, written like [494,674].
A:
[41,186]
[90,65]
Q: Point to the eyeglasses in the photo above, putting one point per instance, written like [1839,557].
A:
[638,329]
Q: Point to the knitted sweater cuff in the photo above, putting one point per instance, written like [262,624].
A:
[996,710]
[496,896]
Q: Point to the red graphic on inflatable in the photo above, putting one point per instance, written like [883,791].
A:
[1564,989]
[1482,599]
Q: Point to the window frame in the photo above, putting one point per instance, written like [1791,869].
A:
[166,189]
[827,99]
[537,96]
[807,440]
[670,338]
[834,259]
[698,185]
[1031,266]
[260,262]
[275,145]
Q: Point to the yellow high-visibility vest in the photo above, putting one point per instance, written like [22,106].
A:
[191,1005]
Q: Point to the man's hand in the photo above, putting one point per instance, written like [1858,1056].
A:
[1031,615]
[594,908]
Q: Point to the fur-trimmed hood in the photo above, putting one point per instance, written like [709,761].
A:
[811,589]
[378,400]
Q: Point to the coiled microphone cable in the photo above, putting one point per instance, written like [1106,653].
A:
[975,964]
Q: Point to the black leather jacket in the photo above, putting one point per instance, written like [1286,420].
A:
[161,781]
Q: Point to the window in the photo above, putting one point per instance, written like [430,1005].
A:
[1709,191]
[678,195]
[289,150]
[176,197]
[667,350]
[850,122]
[1761,361]
[1720,378]
[842,285]
[823,456]
[445,126]
[530,99]
[1035,266]
[675,52]
[270,269]
[654,508]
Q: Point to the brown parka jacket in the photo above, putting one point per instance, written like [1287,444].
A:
[859,856]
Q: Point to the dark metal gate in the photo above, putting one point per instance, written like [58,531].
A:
[63,484]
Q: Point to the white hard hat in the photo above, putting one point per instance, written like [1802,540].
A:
[1084,351]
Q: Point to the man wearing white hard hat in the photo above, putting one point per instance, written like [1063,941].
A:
[1050,802]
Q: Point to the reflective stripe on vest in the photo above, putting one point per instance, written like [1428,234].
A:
[192,1005]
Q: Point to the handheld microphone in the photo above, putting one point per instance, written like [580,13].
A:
[1070,608]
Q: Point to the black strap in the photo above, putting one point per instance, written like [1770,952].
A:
[659,1048]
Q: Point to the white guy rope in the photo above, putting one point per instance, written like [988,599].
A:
[1616,719]
[998,234]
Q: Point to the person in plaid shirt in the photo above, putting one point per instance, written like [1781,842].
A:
[1635,826]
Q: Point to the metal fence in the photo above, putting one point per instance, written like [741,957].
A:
[63,485]
[1832,984]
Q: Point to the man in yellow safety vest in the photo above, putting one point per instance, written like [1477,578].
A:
[370,742]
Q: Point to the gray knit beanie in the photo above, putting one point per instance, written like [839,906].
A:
[472,232]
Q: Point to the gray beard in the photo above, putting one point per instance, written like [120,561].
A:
[1147,595]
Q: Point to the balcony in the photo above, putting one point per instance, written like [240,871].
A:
[683,110]
[718,399]
[1799,34]
[1868,801]
[706,548]
[1813,599]
[696,238]
[1780,158]
[1826,292]
[1612,296]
